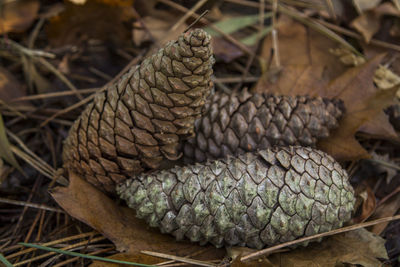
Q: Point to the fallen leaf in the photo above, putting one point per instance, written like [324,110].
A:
[156,29]
[17,16]
[138,258]
[308,69]
[378,162]
[225,50]
[306,65]
[359,247]
[363,103]
[10,87]
[386,209]
[119,224]
[97,19]
[368,204]
[363,5]
[369,22]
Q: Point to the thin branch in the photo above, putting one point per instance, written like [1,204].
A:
[31,205]
[333,232]
[180,259]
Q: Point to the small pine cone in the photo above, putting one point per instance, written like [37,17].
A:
[235,124]
[256,199]
[138,121]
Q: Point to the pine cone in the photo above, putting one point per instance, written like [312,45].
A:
[257,199]
[138,121]
[235,124]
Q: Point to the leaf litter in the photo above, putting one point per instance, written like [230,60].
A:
[305,68]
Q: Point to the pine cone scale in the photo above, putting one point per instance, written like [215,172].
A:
[255,199]
[233,124]
[161,96]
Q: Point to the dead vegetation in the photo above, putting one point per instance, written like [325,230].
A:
[54,55]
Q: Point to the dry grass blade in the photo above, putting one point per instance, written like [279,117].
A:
[5,147]
[59,75]
[333,232]
[71,253]
[79,245]
[55,94]
[318,27]
[66,110]
[29,52]
[180,259]
[54,242]
[31,205]
[101,251]
[188,14]
[89,98]
[359,37]
[38,56]
[237,43]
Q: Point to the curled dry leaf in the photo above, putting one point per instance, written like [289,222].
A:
[119,224]
[368,201]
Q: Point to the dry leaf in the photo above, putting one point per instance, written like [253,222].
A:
[17,16]
[306,65]
[363,5]
[364,103]
[368,204]
[382,168]
[119,224]
[138,258]
[308,68]
[98,19]
[156,29]
[359,247]
[369,22]
[225,50]
[10,87]
[388,208]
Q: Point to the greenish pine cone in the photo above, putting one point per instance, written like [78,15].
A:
[255,199]
[138,122]
[233,124]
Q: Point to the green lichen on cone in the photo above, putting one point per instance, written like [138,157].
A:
[233,124]
[255,199]
[139,121]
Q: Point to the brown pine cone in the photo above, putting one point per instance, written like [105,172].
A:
[237,123]
[138,121]
[256,199]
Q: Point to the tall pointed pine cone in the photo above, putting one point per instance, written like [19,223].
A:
[237,123]
[256,199]
[138,121]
